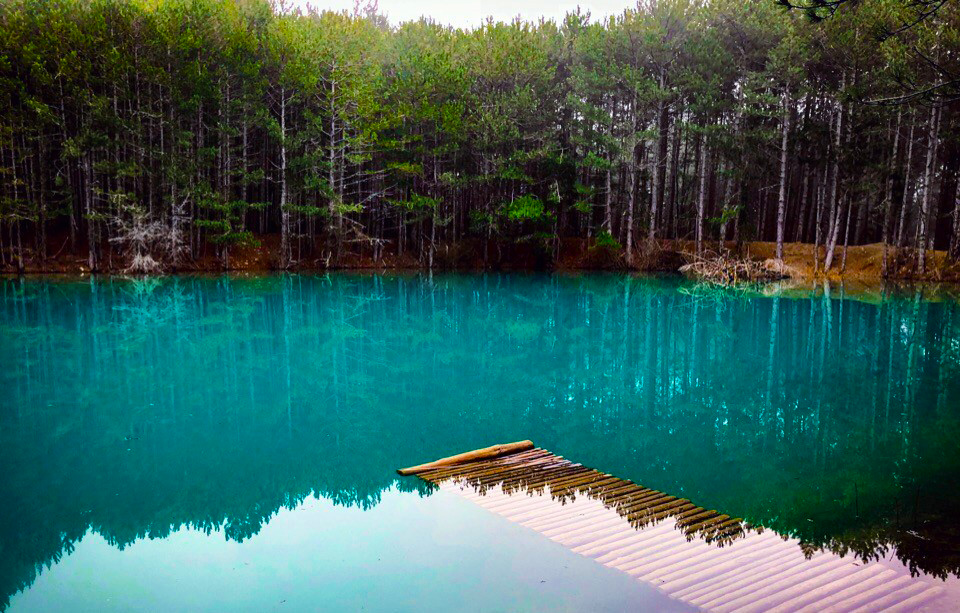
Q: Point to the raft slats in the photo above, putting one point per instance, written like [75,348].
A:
[539,478]
[489,469]
[460,470]
[519,457]
[699,556]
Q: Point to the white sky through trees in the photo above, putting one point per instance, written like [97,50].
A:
[465,14]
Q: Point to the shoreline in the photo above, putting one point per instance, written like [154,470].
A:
[862,266]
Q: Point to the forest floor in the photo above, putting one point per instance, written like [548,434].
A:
[863,263]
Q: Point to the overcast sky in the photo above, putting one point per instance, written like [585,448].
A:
[467,13]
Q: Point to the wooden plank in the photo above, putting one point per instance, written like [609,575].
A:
[460,469]
[494,451]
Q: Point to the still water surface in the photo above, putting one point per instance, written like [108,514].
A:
[189,442]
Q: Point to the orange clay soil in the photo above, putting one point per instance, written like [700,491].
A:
[864,263]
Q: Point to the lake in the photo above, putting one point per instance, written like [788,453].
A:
[230,443]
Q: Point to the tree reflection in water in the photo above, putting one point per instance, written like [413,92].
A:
[136,407]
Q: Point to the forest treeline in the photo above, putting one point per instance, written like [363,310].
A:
[166,131]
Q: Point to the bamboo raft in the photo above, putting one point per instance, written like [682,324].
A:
[699,556]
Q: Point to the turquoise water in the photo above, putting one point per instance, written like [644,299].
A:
[250,427]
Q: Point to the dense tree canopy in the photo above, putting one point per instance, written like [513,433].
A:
[166,130]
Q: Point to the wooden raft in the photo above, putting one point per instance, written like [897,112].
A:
[520,466]
[699,556]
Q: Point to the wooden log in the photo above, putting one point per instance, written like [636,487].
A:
[486,453]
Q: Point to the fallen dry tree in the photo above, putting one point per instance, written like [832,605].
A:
[726,270]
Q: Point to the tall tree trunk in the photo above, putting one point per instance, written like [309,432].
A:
[631,179]
[702,196]
[834,215]
[678,139]
[68,164]
[659,157]
[225,177]
[727,197]
[818,225]
[782,201]
[804,203]
[93,259]
[285,255]
[888,196]
[608,198]
[15,183]
[846,235]
[673,161]
[332,173]
[631,201]
[862,220]
[924,221]
[954,250]
[907,200]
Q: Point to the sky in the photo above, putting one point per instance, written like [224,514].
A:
[466,13]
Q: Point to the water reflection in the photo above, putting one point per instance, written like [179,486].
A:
[134,408]
[540,479]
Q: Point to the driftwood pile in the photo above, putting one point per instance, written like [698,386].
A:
[726,270]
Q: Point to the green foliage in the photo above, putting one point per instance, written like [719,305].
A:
[727,214]
[605,240]
[417,203]
[225,117]
[526,208]
[224,218]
